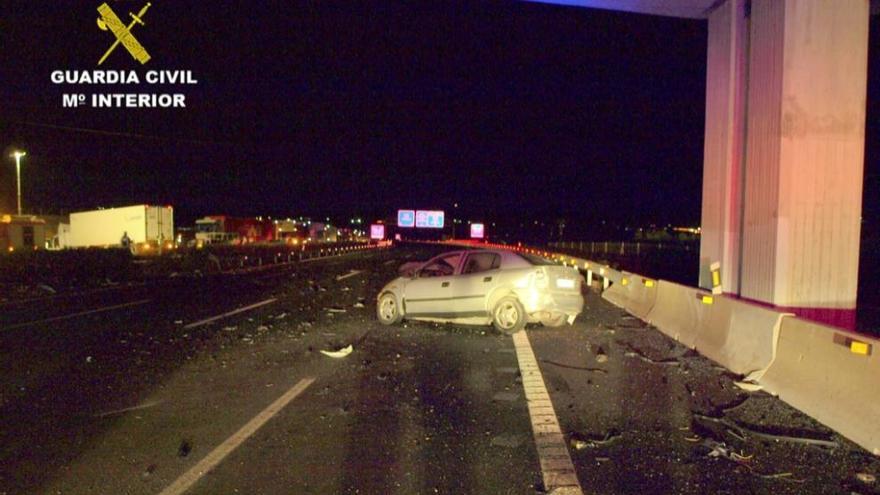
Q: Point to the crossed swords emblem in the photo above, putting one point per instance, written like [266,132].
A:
[109,20]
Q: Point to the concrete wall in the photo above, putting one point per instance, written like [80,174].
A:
[804,118]
[724,143]
[804,169]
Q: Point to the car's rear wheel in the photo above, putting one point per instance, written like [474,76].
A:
[509,317]
[388,310]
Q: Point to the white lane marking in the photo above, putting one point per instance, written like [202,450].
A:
[145,405]
[231,313]
[351,273]
[76,315]
[217,455]
[556,466]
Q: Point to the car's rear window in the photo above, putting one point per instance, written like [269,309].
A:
[535,259]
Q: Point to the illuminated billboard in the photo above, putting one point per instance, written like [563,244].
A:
[377,231]
[477,231]
[431,219]
[406,218]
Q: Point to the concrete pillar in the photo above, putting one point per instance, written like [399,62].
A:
[804,159]
[723,152]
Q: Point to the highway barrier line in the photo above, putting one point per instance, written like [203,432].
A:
[77,315]
[231,313]
[189,478]
[557,469]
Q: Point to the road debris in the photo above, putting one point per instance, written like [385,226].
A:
[866,478]
[335,309]
[632,352]
[580,441]
[742,432]
[601,356]
[573,367]
[341,353]
[749,386]
[185,448]
[47,288]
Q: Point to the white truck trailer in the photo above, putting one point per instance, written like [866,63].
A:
[146,227]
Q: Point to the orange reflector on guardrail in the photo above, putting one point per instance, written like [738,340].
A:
[648,282]
[705,299]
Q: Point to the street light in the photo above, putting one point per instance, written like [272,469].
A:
[18,155]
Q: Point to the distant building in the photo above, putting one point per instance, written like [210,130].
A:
[19,232]
[321,232]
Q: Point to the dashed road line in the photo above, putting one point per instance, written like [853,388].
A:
[145,405]
[556,466]
[351,273]
[77,315]
[230,313]
[189,478]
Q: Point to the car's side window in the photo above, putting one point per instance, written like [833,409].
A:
[440,268]
[481,262]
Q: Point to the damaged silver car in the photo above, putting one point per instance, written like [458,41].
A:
[500,287]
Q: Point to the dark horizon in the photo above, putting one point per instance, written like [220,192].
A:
[515,111]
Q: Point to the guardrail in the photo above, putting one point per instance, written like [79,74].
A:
[625,247]
[827,373]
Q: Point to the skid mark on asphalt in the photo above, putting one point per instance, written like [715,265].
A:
[230,313]
[556,466]
[77,315]
[217,455]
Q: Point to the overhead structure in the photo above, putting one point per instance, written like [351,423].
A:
[783,162]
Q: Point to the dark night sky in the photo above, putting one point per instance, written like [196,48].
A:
[515,110]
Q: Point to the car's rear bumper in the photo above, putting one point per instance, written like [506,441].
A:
[545,304]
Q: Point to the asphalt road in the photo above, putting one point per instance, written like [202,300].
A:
[143,398]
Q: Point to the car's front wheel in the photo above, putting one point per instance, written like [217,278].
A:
[509,317]
[388,310]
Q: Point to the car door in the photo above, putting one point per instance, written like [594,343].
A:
[431,294]
[479,276]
